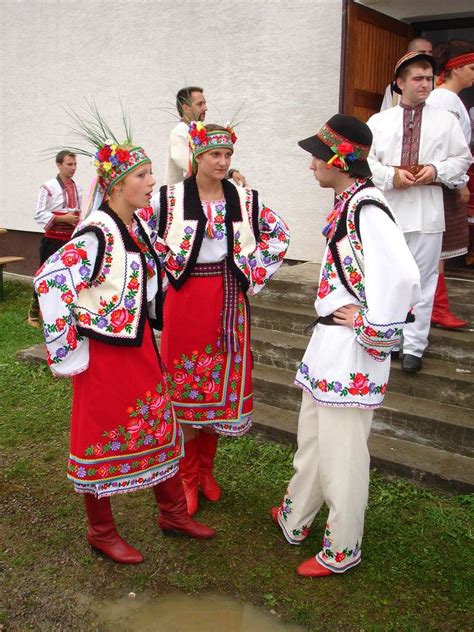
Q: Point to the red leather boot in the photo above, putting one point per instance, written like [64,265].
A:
[173,511]
[207,448]
[102,533]
[189,472]
[441,316]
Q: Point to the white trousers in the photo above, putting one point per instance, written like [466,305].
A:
[332,465]
[426,250]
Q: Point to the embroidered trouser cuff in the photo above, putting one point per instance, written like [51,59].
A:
[331,465]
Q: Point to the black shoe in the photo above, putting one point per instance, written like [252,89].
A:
[411,363]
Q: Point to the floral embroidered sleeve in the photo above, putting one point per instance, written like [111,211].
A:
[151,215]
[57,284]
[392,284]
[271,248]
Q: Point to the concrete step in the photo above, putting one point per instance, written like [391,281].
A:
[454,346]
[440,425]
[420,463]
[440,380]
[281,316]
[461,298]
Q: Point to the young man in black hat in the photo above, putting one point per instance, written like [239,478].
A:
[367,285]
[415,148]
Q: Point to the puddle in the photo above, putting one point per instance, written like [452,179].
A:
[184,613]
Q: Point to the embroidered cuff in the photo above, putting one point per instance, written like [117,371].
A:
[376,339]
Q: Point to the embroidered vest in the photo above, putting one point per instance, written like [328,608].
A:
[112,307]
[346,245]
[183,222]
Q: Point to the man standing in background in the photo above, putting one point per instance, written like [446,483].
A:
[191,105]
[58,209]
[392,96]
[415,148]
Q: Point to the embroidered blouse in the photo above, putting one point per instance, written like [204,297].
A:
[263,262]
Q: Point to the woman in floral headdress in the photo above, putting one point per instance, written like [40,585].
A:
[221,242]
[455,62]
[100,297]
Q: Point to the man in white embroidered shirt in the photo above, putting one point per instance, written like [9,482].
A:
[415,149]
[191,105]
[57,211]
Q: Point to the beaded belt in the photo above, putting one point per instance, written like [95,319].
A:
[228,336]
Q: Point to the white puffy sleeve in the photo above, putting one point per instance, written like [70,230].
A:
[271,248]
[151,216]
[57,284]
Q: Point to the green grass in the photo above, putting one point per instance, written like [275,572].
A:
[416,573]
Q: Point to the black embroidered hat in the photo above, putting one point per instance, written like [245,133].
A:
[408,59]
[344,141]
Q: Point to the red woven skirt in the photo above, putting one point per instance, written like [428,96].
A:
[205,345]
[124,435]
[456,235]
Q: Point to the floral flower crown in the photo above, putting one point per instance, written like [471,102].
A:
[113,162]
[344,150]
[201,140]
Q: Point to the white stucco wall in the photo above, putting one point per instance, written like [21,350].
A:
[280,58]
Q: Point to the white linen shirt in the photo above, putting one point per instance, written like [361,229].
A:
[51,198]
[442,144]
[177,155]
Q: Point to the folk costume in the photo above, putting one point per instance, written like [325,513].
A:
[215,253]
[408,138]
[55,198]
[344,371]
[100,296]
[456,236]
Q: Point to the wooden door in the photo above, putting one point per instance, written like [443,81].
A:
[372,43]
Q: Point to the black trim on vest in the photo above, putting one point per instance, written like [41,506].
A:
[163,219]
[255,214]
[100,252]
[131,246]
[233,213]
[192,209]
[341,231]
[128,240]
[156,323]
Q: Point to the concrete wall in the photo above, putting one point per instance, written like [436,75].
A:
[280,59]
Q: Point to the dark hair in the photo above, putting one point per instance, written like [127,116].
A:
[421,63]
[62,154]
[442,53]
[184,97]
[211,127]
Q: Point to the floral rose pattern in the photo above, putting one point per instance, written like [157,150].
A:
[330,555]
[71,255]
[285,511]
[199,379]
[328,272]
[377,340]
[144,442]
[358,385]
